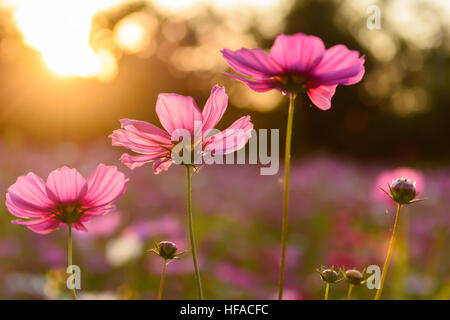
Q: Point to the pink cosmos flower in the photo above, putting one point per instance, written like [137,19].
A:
[176,113]
[386,177]
[298,62]
[66,198]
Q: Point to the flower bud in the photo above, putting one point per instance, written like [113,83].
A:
[354,277]
[329,275]
[166,250]
[403,191]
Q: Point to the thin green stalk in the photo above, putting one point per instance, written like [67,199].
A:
[191,233]
[69,258]
[389,253]
[400,272]
[349,293]
[161,282]
[327,288]
[287,162]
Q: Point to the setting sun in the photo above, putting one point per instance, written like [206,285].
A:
[60,31]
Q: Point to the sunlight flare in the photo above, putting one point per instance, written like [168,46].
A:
[60,30]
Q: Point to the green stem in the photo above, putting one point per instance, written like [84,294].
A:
[161,282]
[69,257]
[287,161]
[327,288]
[400,271]
[350,289]
[389,253]
[191,234]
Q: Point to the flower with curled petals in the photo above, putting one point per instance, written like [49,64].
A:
[186,126]
[298,62]
[177,114]
[66,198]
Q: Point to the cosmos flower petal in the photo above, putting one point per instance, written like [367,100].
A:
[321,96]
[98,211]
[79,226]
[178,112]
[161,165]
[105,185]
[23,209]
[339,66]
[252,62]
[262,85]
[214,109]
[27,198]
[42,226]
[231,139]
[134,162]
[132,141]
[147,130]
[357,78]
[65,185]
[298,52]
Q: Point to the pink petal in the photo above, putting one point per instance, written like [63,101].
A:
[105,185]
[134,162]
[135,142]
[252,62]
[260,85]
[95,212]
[298,52]
[87,217]
[22,209]
[161,165]
[214,109]
[79,226]
[27,197]
[339,66]
[65,185]
[231,139]
[359,76]
[42,226]
[178,112]
[100,210]
[147,130]
[321,96]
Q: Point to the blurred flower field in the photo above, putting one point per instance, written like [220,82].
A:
[336,218]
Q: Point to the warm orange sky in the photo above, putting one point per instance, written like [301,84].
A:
[61,29]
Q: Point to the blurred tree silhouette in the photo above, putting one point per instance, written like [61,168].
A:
[366,126]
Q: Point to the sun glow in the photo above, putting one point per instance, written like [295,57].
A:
[72,41]
[60,30]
